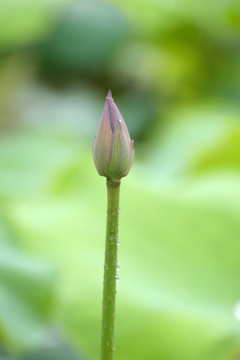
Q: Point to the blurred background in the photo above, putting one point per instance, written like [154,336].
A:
[174,70]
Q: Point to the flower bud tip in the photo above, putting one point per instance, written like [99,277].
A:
[109,95]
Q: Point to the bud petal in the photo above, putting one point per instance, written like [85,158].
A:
[102,143]
[119,156]
[132,152]
[113,149]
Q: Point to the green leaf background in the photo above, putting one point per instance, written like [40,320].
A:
[173,67]
[179,246]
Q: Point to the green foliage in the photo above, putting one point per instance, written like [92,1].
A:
[174,67]
[26,295]
[180,287]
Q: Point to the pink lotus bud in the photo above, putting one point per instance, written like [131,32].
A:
[113,148]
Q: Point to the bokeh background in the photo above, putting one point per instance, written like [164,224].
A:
[174,70]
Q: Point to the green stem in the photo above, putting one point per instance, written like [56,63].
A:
[110,271]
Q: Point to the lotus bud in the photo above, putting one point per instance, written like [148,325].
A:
[113,150]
